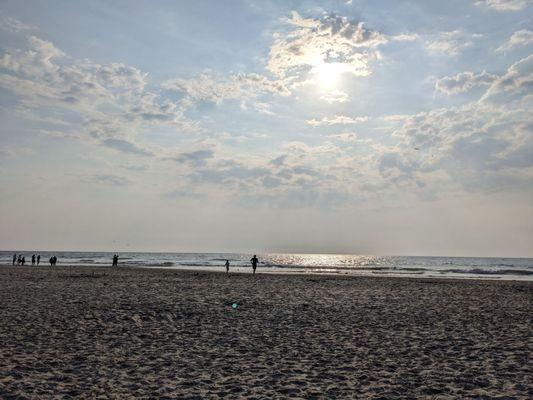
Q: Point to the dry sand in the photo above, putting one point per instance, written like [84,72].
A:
[165,334]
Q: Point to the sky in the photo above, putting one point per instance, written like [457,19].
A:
[361,127]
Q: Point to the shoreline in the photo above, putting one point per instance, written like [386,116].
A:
[331,271]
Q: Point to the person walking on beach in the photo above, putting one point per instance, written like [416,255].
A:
[55,260]
[33,259]
[115,260]
[51,261]
[38,259]
[227,266]
[19,259]
[254,261]
[14,258]
[23,260]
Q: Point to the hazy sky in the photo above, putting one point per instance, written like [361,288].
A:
[376,127]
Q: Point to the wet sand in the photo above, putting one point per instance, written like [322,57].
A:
[146,333]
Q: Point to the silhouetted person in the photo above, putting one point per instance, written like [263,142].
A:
[19,259]
[33,259]
[115,260]
[55,260]
[51,261]
[38,259]
[254,261]
[14,258]
[23,261]
[227,266]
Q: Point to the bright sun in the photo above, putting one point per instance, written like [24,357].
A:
[328,74]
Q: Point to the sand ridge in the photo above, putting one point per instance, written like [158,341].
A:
[146,333]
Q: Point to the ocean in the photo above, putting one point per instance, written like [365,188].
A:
[436,267]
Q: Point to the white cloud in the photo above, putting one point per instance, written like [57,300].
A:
[335,96]
[480,146]
[504,5]
[395,117]
[515,84]
[207,87]
[523,37]
[313,42]
[337,119]
[111,99]
[301,147]
[452,42]
[344,137]
[463,82]
[11,24]
[406,37]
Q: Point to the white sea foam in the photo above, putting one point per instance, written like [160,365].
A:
[462,267]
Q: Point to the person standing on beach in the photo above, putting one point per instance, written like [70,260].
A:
[19,259]
[55,260]
[115,260]
[33,259]
[38,259]
[227,266]
[23,260]
[14,258]
[51,261]
[254,261]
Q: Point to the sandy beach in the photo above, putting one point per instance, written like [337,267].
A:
[149,333]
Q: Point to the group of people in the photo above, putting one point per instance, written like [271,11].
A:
[21,260]
[254,260]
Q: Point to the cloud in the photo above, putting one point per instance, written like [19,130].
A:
[523,37]
[313,42]
[207,87]
[335,96]
[504,5]
[515,84]
[152,108]
[36,61]
[13,25]
[337,119]
[125,146]
[278,161]
[482,146]
[344,137]
[111,100]
[108,179]
[395,117]
[36,75]
[196,158]
[463,82]
[451,43]
[229,172]
[305,149]
[397,168]
[406,37]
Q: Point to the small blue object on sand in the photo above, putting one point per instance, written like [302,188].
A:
[234,306]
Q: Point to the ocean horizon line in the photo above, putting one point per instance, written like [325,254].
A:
[272,253]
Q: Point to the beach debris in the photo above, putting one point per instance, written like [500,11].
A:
[234,306]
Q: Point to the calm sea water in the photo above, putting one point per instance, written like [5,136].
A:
[467,267]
